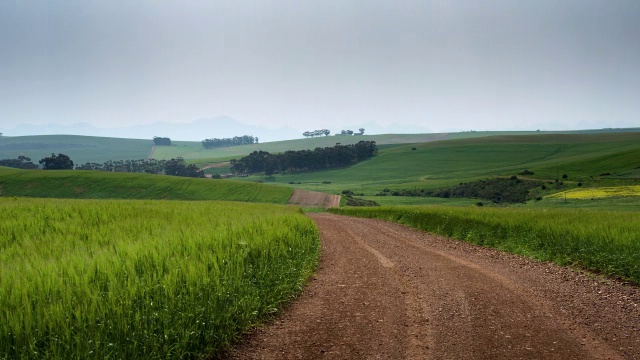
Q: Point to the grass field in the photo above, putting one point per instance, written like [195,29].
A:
[444,163]
[406,200]
[196,154]
[80,149]
[120,279]
[602,241]
[105,185]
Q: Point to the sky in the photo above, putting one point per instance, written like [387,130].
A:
[426,65]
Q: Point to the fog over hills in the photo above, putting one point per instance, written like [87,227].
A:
[218,127]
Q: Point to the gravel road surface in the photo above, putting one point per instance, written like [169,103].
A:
[384,291]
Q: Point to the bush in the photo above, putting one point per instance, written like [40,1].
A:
[354,201]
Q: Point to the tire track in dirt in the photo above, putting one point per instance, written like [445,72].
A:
[384,291]
[153,151]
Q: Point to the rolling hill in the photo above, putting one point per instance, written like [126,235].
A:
[80,149]
[583,157]
[80,184]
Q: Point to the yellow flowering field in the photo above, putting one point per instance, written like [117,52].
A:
[601,192]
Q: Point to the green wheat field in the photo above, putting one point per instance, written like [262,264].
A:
[126,279]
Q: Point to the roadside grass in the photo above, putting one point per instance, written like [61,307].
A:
[106,185]
[607,242]
[144,279]
[614,203]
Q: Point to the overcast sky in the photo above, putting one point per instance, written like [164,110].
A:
[442,65]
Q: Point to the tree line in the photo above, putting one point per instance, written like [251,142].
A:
[350,132]
[326,132]
[22,162]
[234,141]
[53,162]
[175,167]
[304,160]
[315,133]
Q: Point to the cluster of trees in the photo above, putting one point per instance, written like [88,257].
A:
[234,141]
[162,141]
[56,162]
[304,160]
[175,167]
[150,166]
[500,190]
[22,162]
[350,132]
[315,133]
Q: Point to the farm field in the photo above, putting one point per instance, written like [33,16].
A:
[586,158]
[193,150]
[574,230]
[143,279]
[606,242]
[106,185]
[599,192]
[80,149]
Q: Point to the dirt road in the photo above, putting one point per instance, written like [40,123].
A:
[314,198]
[384,291]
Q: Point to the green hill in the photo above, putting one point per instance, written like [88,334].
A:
[446,163]
[103,185]
[84,149]
[80,149]
[197,154]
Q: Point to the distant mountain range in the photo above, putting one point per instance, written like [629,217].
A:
[218,127]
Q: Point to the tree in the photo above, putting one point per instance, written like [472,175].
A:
[361,131]
[59,162]
[162,141]
[22,162]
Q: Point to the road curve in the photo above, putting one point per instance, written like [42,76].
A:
[384,291]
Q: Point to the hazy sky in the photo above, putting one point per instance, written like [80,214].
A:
[443,65]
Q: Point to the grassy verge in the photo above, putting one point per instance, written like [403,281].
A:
[601,241]
[143,279]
